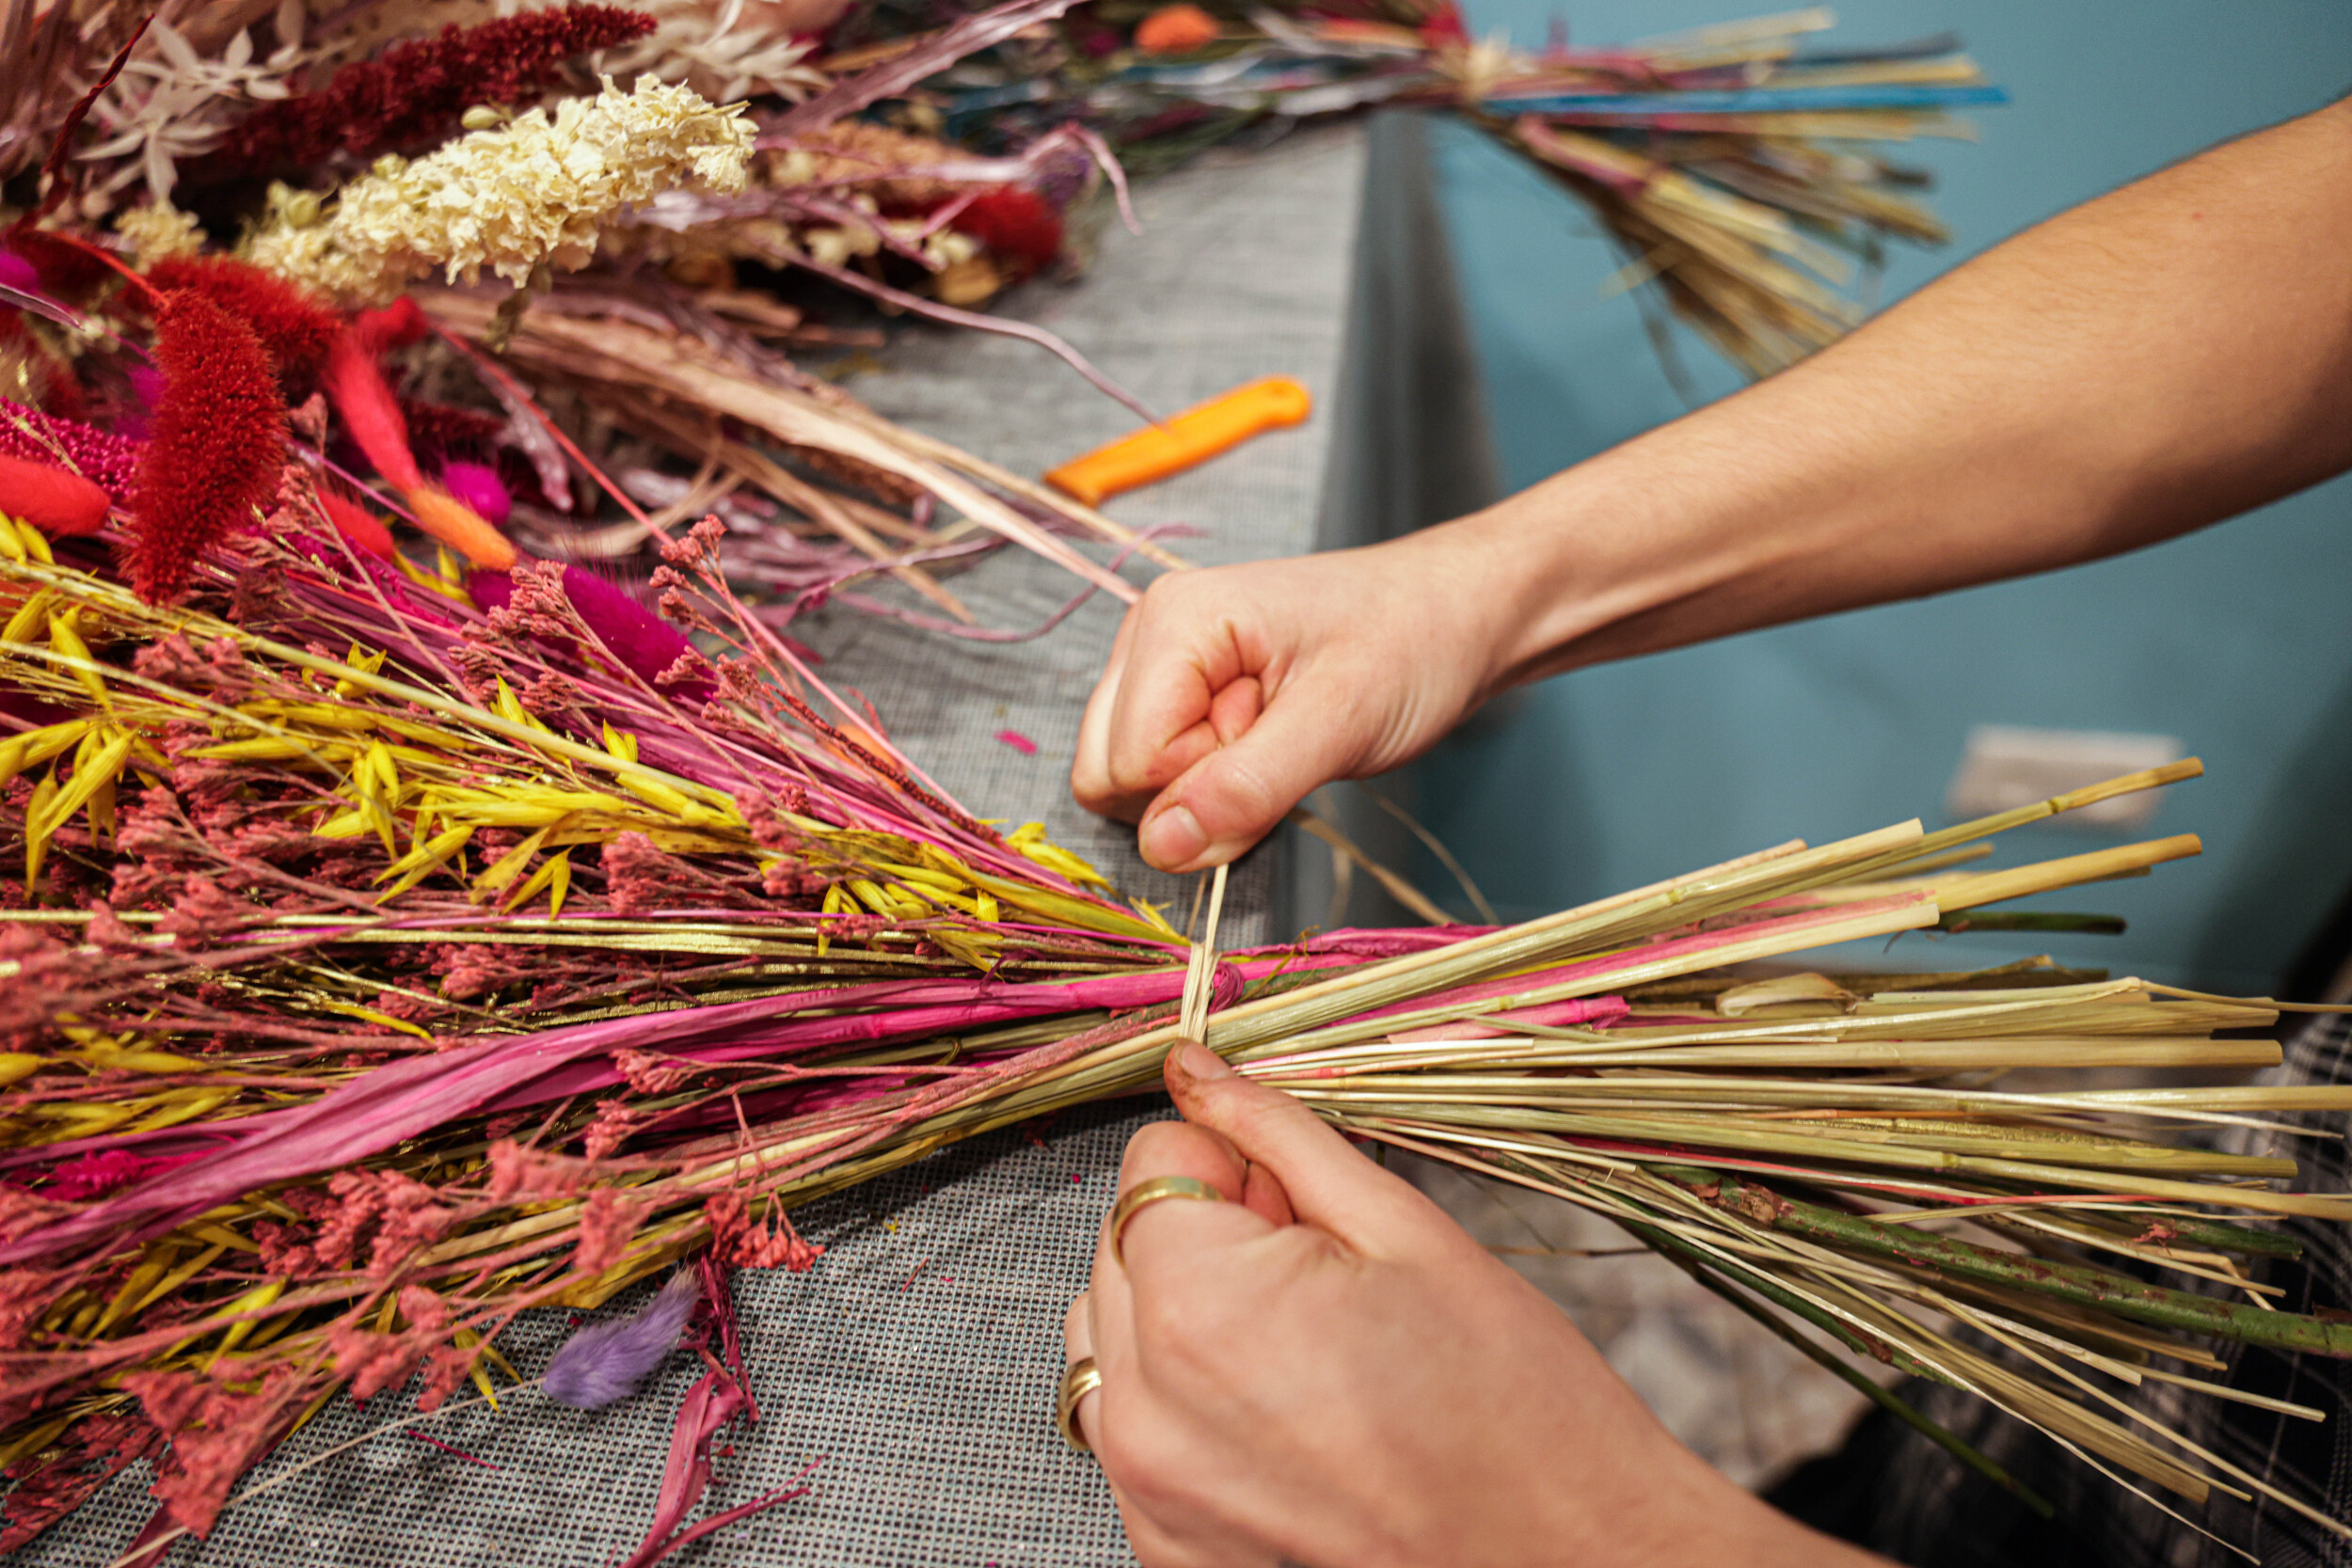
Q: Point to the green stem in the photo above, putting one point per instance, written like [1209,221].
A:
[2203,1235]
[1886,1399]
[2032,920]
[2077,1284]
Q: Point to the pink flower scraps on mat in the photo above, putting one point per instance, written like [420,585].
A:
[1018,741]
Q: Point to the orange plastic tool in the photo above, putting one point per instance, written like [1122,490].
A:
[1192,436]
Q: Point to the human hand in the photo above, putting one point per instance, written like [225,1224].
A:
[1233,691]
[1325,1369]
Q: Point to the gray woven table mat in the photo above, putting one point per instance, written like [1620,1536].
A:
[911,1372]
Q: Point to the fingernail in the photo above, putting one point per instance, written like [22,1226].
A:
[1172,839]
[1198,1063]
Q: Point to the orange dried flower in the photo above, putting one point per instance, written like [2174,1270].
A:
[1177,29]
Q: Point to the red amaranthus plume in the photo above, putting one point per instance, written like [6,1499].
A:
[418,91]
[1017,224]
[218,445]
[444,429]
[294,327]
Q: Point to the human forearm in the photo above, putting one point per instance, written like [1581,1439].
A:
[2161,359]
[2158,359]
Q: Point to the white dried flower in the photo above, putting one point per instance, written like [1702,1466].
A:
[840,245]
[948,248]
[534,192]
[296,243]
[157,230]
[176,103]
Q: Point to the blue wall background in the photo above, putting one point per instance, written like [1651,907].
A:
[2238,641]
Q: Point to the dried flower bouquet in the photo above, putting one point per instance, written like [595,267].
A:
[1733,165]
[387,965]
[363,998]
[402,933]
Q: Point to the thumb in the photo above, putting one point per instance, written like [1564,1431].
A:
[1234,796]
[1329,1183]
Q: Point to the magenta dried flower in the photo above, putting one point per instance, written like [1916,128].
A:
[96,455]
[479,486]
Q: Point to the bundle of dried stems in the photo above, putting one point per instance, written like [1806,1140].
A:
[413,932]
[361,1002]
[1731,163]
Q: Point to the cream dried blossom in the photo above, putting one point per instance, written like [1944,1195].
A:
[837,245]
[296,242]
[535,191]
[158,229]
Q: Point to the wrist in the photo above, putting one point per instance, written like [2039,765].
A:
[1701,1518]
[1741,515]
[1564,567]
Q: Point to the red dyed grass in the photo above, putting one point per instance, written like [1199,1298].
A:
[364,399]
[367,532]
[218,445]
[417,93]
[295,326]
[50,498]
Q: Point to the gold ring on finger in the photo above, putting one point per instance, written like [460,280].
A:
[1082,1378]
[1145,1193]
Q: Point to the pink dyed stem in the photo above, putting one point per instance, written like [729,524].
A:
[448,1448]
[707,1406]
[977,320]
[409,1098]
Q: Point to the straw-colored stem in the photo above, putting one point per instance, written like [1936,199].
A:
[1878,1394]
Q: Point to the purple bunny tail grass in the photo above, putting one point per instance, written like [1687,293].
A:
[479,486]
[604,1363]
[640,639]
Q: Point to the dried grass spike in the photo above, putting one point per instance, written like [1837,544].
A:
[640,640]
[218,445]
[461,528]
[363,529]
[360,394]
[297,328]
[479,488]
